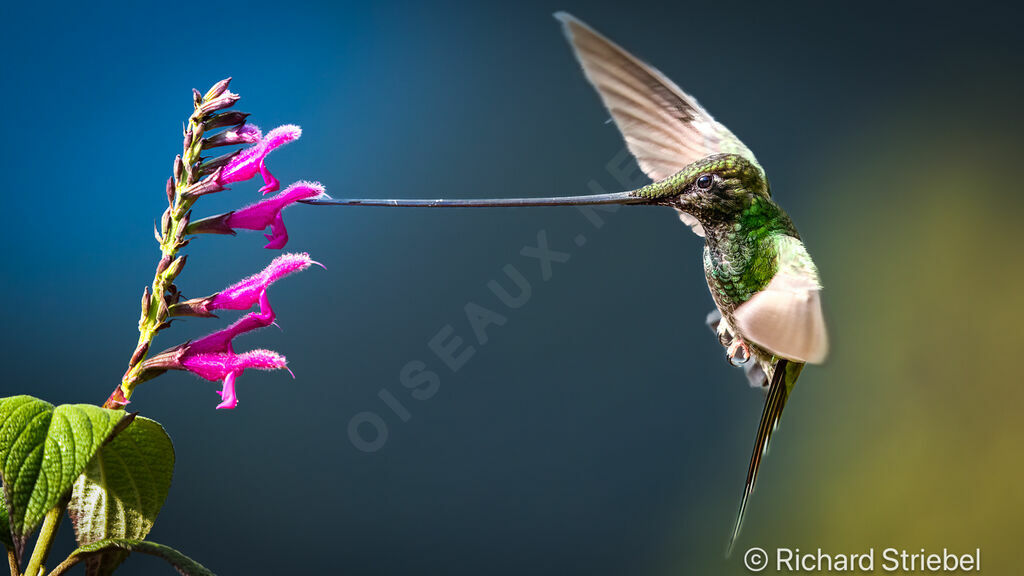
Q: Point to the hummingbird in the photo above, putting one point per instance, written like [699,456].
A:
[765,287]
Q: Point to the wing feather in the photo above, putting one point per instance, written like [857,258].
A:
[785,317]
[664,127]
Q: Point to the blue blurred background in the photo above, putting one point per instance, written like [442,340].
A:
[599,430]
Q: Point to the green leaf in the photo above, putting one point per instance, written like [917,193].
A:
[183,564]
[5,524]
[42,451]
[121,491]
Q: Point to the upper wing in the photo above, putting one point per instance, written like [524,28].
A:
[785,317]
[664,127]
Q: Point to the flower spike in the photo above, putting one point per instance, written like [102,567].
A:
[214,123]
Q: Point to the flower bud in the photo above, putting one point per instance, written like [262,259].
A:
[140,351]
[211,225]
[175,267]
[165,222]
[245,134]
[207,185]
[229,118]
[209,166]
[146,296]
[165,261]
[225,100]
[217,89]
[170,191]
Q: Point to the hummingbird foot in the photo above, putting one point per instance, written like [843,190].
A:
[721,328]
[738,353]
[725,337]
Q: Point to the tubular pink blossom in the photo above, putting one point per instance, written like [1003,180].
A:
[252,160]
[220,341]
[243,295]
[268,212]
[228,366]
[217,366]
[213,357]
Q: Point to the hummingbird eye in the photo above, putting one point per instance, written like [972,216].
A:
[704,182]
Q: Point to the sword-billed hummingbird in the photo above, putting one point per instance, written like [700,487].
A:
[764,283]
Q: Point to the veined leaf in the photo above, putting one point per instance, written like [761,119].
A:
[42,451]
[121,491]
[183,564]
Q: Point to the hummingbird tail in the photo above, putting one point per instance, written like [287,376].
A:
[783,378]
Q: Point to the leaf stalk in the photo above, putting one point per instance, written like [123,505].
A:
[46,535]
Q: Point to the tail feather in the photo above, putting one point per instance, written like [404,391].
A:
[783,378]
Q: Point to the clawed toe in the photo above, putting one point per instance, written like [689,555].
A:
[738,353]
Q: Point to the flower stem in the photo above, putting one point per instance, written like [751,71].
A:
[46,535]
[12,559]
[162,293]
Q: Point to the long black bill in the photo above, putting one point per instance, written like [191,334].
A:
[614,198]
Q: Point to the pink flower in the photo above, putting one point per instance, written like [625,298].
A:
[260,215]
[220,341]
[213,357]
[252,160]
[243,295]
[268,212]
[246,293]
[228,366]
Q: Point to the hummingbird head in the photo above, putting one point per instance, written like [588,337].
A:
[714,190]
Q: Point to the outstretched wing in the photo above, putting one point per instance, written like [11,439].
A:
[783,379]
[664,127]
[785,317]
